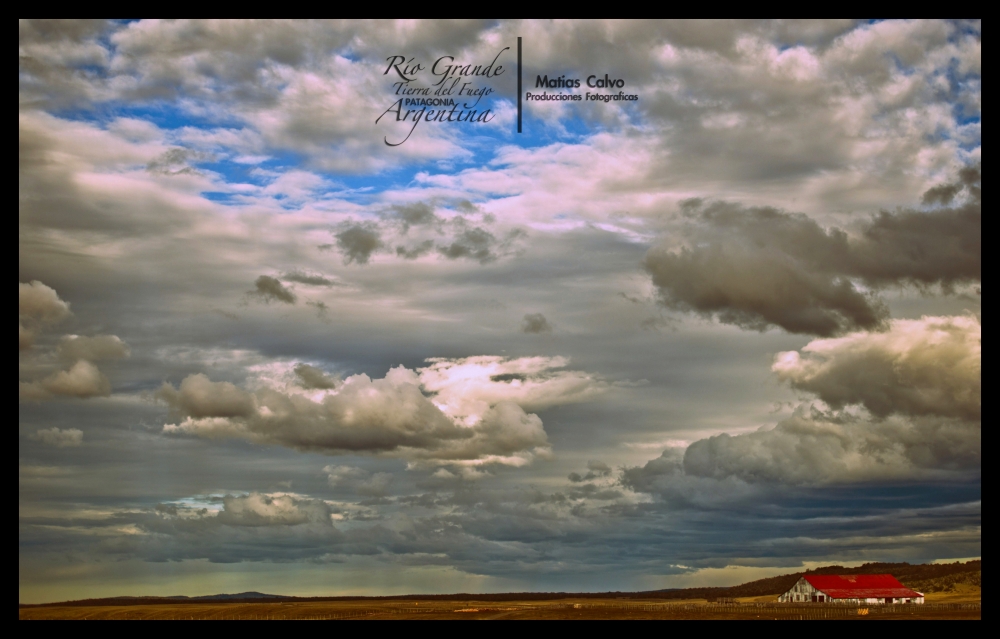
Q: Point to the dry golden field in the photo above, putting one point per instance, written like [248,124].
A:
[557,609]
[960,594]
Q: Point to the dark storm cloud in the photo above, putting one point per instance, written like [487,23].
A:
[357,242]
[535,323]
[762,267]
[268,289]
[755,288]
[941,246]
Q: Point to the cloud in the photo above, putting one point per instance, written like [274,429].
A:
[748,99]
[60,438]
[40,302]
[40,305]
[51,54]
[200,397]
[812,448]
[535,323]
[504,431]
[600,468]
[269,289]
[969,178]
[473,243]
[312,377]
[415,252]
[341,475]
[259,509]
[359,480]
[357,243]
[465,387]
[389,415]
[376,486]
[761,267]
[478,244]
[930,366]
[83,178]
[25,338]
[308,279]
[456,412]
[74,347]
[322,309]
[37,304]
[595,470]
[942,246]
[740,277]
[176,161]
[416,214]
[416,231]
[920,382]
[82,380]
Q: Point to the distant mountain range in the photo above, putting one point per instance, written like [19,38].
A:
[922,577]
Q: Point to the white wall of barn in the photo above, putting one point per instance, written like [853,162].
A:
[802,591]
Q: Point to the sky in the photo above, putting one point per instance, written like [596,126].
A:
[728,329]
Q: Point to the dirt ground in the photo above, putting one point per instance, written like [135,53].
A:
[560,609]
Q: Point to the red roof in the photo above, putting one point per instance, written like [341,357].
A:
[860,586]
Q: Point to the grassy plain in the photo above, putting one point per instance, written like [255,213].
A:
[959,594]
[444,609]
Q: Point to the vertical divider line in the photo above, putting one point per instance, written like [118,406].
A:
[518,84]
